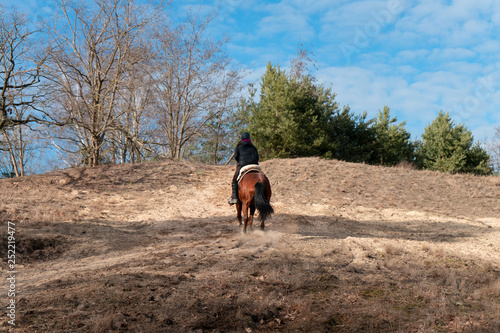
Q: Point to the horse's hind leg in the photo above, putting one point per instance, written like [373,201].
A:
[238,210]
[245,216]
[250,218]
[262,224]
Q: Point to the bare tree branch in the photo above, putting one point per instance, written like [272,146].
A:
[187,74]
[94,51]
[19,73]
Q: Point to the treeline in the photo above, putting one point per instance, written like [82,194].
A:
[117,81]
[113,81]
[295,117]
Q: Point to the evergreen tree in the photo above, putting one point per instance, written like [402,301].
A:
[448,147]
[392,140]
[292,117]
[352,137]
[478,161]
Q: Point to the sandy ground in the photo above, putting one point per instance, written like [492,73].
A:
[155,248]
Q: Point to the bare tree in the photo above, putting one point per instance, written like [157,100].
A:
[300,66]
[94,47]
[218,136]
[189,73]
[19,71]
[132,142]
[19,84]
[493,147]
[16,144]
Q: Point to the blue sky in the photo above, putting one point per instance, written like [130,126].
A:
[417,57]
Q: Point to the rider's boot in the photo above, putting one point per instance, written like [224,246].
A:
[234,198]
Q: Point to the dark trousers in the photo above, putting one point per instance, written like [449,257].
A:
[236,173]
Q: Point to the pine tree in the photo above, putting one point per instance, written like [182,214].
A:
[392,140]
[448,147]
[292,116]
[352,137]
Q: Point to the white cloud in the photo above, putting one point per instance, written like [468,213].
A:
[289,20]
[33,9]
[353,21]
[450,54]
[460,23]
[307,6]
[412,55]
[488,47]
[416,99]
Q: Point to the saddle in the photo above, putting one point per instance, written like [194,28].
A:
[247,169]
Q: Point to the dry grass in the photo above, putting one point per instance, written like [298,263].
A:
[103,323]
[392,249]
[406,165]
[352,248]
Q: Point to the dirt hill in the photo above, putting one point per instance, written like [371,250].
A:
[154,247]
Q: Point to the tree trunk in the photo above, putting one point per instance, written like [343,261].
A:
[12,155]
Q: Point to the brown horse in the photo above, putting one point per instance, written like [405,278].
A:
[254,191]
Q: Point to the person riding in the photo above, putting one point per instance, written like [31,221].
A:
[245,153]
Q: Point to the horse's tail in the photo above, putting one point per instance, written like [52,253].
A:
[262,201]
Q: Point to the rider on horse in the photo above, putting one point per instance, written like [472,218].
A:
[245,153]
